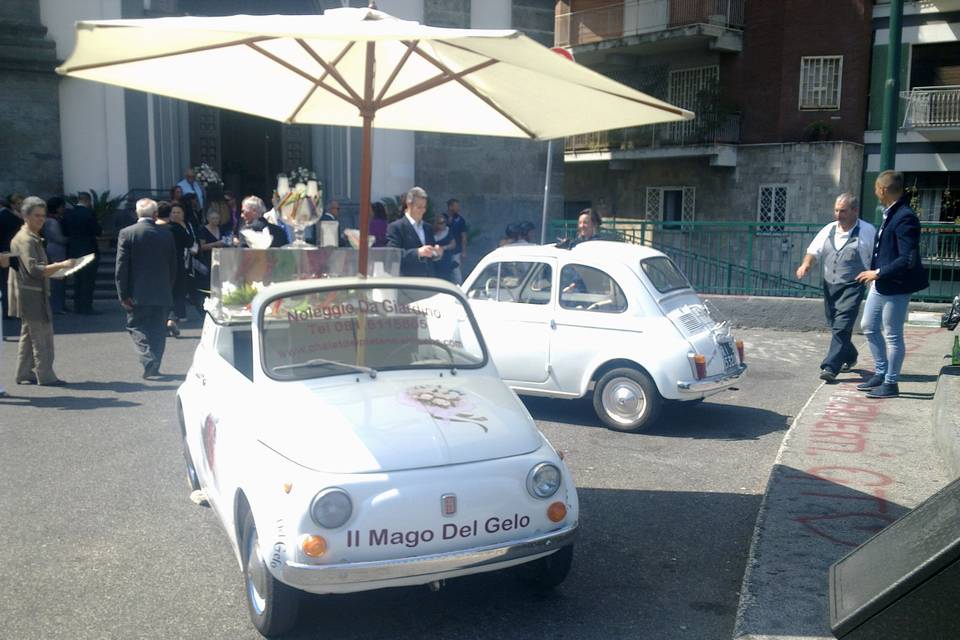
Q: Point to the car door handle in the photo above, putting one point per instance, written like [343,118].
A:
[553,323]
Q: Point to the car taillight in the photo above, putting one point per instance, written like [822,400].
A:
[740,349]
[700,361]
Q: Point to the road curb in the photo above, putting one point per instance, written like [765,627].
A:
[946,418]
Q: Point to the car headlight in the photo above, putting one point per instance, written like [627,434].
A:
[544,480]
[331,508]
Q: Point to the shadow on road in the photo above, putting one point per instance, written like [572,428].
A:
[66,403]
[126,387]
[631,575]
[702,420]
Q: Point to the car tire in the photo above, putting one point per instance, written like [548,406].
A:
[273,606]
[549,572]
[627,400]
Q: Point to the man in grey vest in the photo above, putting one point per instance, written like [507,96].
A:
[844,248]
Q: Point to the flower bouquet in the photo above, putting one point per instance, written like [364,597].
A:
[206,175]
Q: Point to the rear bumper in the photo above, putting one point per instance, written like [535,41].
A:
[361,576]
[713,383]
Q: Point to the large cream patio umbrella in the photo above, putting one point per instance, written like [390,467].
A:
[363,68]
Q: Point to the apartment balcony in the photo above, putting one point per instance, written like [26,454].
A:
[933,112]
[692,138]
[652,26]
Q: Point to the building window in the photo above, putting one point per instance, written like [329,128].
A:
[772,207]
[820,82]
[671,204]
[697,90]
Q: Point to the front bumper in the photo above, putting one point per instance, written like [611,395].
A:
[360,576]
[718,382]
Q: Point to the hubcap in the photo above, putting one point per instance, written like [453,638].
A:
[624,401]
[256,574]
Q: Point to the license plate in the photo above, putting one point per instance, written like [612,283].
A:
[729,359]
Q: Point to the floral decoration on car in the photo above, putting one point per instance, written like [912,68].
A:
[442,403]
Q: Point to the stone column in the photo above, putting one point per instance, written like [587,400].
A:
[31,160]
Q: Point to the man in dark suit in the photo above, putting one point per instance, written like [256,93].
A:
[81,228]
[414,238]
[896,272]
[146,270]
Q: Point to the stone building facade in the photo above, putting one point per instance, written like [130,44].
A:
[30,155]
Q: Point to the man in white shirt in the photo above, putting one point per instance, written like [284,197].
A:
[844,248]
[190,185]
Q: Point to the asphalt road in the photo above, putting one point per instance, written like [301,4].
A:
[100,540]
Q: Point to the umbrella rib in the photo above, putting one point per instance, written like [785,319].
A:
[646,103]
[332,69]
[403,60]
[169,54]
[469,87]
[435,81]
[318,83]
[300,72]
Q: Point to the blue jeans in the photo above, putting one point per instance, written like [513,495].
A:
[888,313]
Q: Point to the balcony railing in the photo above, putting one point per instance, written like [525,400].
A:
[932,107]
[691,132]
[635,17]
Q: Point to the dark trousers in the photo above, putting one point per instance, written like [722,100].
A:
[841,303]
[84,283]
[148,328]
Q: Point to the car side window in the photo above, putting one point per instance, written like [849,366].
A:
[523,282]
[584,288]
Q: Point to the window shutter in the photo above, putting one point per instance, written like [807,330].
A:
[654,203]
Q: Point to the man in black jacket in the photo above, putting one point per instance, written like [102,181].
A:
[146,270]
[81,228]
[415,238]
[10,223]
[896,272]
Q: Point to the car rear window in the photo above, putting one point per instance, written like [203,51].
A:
[664,275]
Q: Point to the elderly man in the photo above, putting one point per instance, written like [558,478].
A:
[896,272]
[146,270]
[190,185]
[414,238]
[29,286]
[844,248]
[252,210]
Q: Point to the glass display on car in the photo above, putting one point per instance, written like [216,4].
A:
[664,275]
[312,334]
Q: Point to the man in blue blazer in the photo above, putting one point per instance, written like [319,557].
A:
[896,272]
[414,238]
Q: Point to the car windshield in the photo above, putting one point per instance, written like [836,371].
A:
[312,334]
[664,275]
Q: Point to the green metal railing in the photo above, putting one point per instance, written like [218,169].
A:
[761,259]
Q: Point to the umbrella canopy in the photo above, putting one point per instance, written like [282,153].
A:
[363,68]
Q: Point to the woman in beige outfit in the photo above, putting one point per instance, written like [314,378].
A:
[29,287]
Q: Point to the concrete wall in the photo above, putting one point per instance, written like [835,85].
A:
[815,172]
[30,162]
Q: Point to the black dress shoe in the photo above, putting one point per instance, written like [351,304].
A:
[828,375]
[151,371]
[874,381]
[884,391]
[55,383]
[846,366]
[27,381]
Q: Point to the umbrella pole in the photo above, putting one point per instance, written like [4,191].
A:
[367,111]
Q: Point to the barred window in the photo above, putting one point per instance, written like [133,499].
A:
[820,82]
[772,207]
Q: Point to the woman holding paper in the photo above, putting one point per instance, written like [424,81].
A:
[29,285]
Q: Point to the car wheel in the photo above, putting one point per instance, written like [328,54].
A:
[273,605]
[626,400]
[548,572]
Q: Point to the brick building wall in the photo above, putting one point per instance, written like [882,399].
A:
[776,36]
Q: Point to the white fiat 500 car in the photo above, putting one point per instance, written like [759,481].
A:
[354,435]
[616,319]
